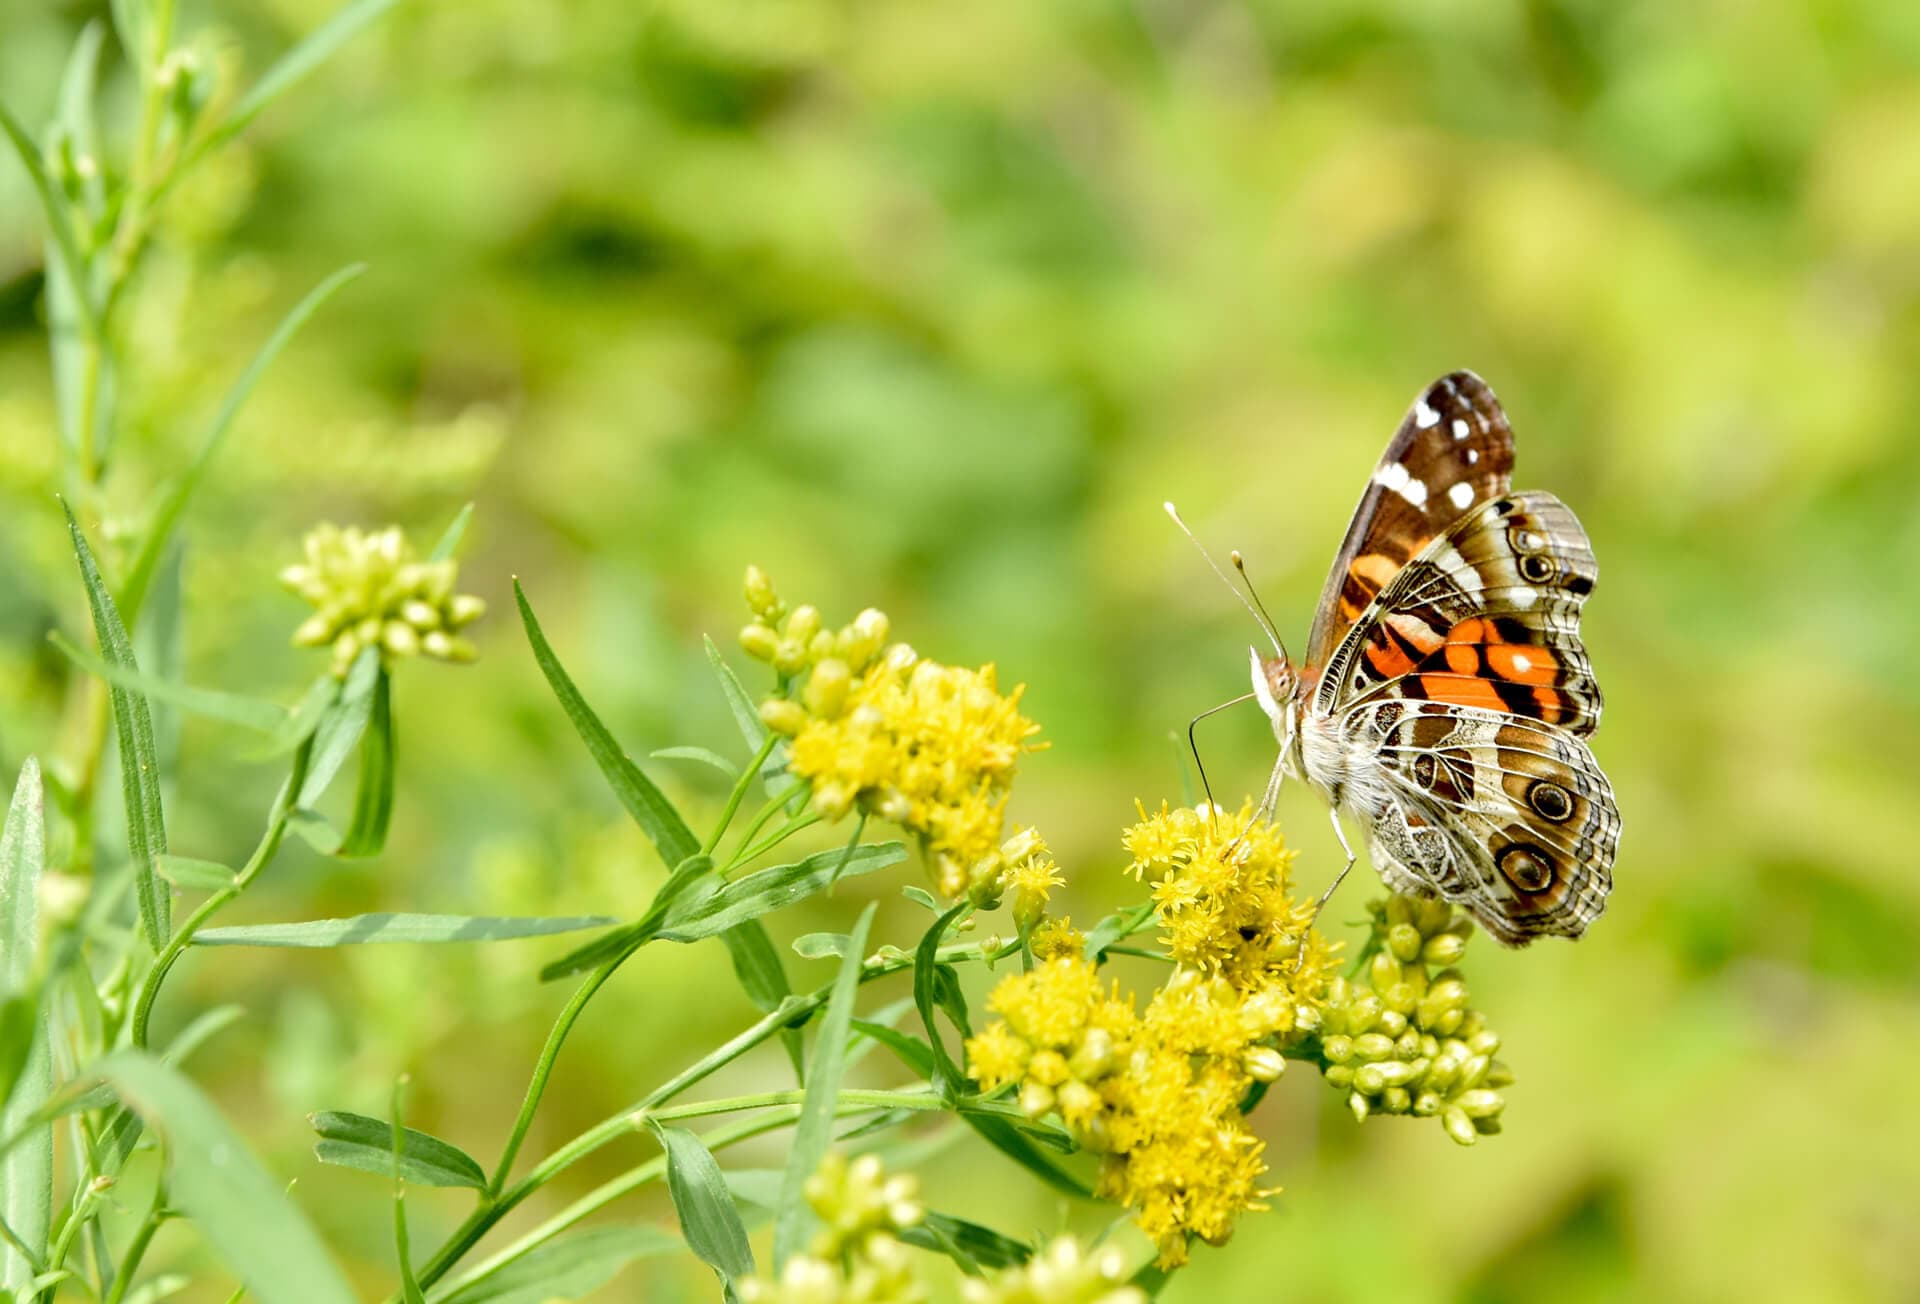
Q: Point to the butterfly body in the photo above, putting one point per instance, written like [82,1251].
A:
[1446,696]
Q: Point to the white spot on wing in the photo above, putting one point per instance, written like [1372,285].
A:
[1424,416]
[1461,429]
[1522,597]
[1473,455]
[1460,495]
[1396,477]
[1522,663]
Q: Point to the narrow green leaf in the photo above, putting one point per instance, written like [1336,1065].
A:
[708,1217]
[70,343]
[356,1141]
[450,537]
[820,946]
[360,930]
[139,766]
[767,890]
[303,58]
[398,1136]
[340,726]
[649,807]
[239,1209]
[194,875]
[920,897]
[248,712]
[53,206]
[703,755]
[813,1130]
[373,798]
[26,1077]
[1010,1141]
[159,532]
[756,963]
[746,715]
[305,717]
[968,1244]
[316,830]
[568,1267]
[946,1077]
[912,1051]
[1151,1279]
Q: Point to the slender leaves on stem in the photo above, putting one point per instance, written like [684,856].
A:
[139,765]
[26,1076]
[708,1217]
[373,798]
[359,930]
[813,1132]
[368,1144]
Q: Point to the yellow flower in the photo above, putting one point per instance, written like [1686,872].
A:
[928,746]
[369,590]
[1057,937]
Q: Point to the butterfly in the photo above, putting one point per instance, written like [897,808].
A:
[1445,700]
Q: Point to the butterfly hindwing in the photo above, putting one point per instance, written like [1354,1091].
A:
[1454,449]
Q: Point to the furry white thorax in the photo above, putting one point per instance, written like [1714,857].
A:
[1345,771]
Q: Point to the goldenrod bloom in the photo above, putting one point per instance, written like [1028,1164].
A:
[928,746]
[370,590]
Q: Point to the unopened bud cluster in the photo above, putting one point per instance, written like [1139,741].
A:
[795,641]
[369,590]
[857,1256]
[1062,1273]
[1405,1040]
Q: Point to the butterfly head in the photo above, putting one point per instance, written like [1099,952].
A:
[1275,686]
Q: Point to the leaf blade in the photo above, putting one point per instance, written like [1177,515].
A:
[367,1144]
[380,928]
[764,891]
[248,712]
[26,1171]
[709,1219]
[649,807]
[813,1130]
[139,764]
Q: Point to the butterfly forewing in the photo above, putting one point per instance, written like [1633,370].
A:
[1453,449]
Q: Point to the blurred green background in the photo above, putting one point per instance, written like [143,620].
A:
[929,307]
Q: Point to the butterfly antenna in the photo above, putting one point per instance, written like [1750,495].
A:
[1254,609]
[1240,564]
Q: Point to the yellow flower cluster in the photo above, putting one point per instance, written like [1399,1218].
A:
[1159,1093]
[857,1256]
[928,746]
[369,590]
[1406,1042]
[1220,890]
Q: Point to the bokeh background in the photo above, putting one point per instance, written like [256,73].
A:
[929,307]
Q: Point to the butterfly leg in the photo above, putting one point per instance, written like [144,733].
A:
[1193,745]
[1333,815]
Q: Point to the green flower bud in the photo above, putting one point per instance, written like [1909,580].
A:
[1392,1022]
[790,656]
[1405,942]
[1384,972]
[1361,1106]
[782,716]
[1338,1048]
[1480,1103]
[1264,1064]
[760,595]
[1428,1103]
[1036,1100]
[826,691]
[1443,949]
[1373,1046]
[803,624]
[1498,1075]
[760,642]
[1459,1126]
[1339,1075]
[1396,1100]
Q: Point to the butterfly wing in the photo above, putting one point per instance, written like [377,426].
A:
[1467,678]
[1454,449]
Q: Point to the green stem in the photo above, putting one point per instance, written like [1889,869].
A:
[774,805]
[183,938]
[773,840]
[137,1248]
[543,1068]
[739,793]
[927,1101]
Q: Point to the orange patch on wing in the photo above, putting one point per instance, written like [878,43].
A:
[1552,703]
[1374,570]
[1462,658]
[1387,659]
[1523,663]
[1461,690]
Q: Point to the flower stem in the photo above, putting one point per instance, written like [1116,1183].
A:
[739,793]
[263,854]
